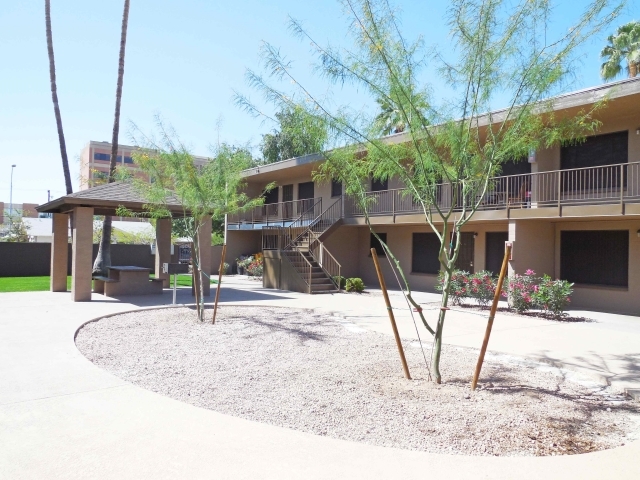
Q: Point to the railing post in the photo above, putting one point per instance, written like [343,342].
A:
[559,190]
[621,184]
[393,205]
[506,200]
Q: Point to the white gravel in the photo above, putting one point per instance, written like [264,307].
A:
[308,372]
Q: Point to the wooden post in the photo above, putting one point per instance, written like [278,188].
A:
[383,286]
[196,278]
[215,304]
[492,314]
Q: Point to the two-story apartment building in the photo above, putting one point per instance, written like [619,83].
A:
[572,212]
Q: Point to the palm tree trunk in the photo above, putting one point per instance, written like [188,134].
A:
[633,69]
[103,259]
[54,97]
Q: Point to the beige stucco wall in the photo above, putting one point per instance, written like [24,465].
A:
[400,241]
[343,244]
[241,243]
[533,247]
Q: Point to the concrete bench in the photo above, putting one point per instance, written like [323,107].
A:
[127,280]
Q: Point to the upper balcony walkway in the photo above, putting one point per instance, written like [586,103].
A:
[581,192]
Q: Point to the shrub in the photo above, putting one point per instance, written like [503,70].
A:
[521,289]
[255,269]
[225,268]
[354,285]
[482,287]
[552,296]
[340,281]
[459,287]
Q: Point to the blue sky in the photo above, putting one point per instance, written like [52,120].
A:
[183,61]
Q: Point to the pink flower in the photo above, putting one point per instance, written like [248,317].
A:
[529,272]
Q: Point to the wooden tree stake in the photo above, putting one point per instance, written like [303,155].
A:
[215,304]
[492,314]
[383,286]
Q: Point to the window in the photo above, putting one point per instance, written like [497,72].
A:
[287,193]
[336,188]
[379,185]
[271,196]
[595,257]
[596,151]
[425,250]
[375,243]
[608,149]
[105,157]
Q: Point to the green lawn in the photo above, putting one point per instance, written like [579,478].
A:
[185,280]
[41,284]
[27,284]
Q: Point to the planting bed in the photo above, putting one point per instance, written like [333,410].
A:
[321,375]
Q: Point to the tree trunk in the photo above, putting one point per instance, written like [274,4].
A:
[437,347]
[54,97]
[633,69]
[103,260]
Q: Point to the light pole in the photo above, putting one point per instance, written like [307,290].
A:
[11,199]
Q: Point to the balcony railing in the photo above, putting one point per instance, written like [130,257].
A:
[276,214]
[611,184]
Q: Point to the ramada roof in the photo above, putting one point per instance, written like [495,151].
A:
[105,199]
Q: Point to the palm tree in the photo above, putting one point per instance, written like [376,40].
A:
[54,97]
[103,259]
[624,46]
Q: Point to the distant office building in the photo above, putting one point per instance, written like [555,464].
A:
[23,209]
[94,162]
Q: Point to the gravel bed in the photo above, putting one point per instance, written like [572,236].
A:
[322,375]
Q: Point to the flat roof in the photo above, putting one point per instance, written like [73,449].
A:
[578,98]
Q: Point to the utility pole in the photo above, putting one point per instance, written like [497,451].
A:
[48,196]
[11,199]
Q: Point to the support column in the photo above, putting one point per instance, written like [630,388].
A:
[82,254]
[204,239]
[59,252]
[533,247]
[163,248]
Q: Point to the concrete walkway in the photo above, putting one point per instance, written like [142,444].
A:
[63,417]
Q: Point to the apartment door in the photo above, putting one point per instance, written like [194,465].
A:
[467,248]
[270,207]
[287,199]
[305,193]
[494,251]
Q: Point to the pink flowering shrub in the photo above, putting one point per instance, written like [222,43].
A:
[482,287]
[552,296]
[521,289]
[524,291]
[459,287]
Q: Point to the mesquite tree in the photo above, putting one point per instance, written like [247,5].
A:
[499,51]
[211,190]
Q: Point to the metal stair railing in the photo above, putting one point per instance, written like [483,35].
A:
[325,260]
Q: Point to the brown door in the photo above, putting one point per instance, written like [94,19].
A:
[305,193]
[465,257]
[494,251]
[287,198]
